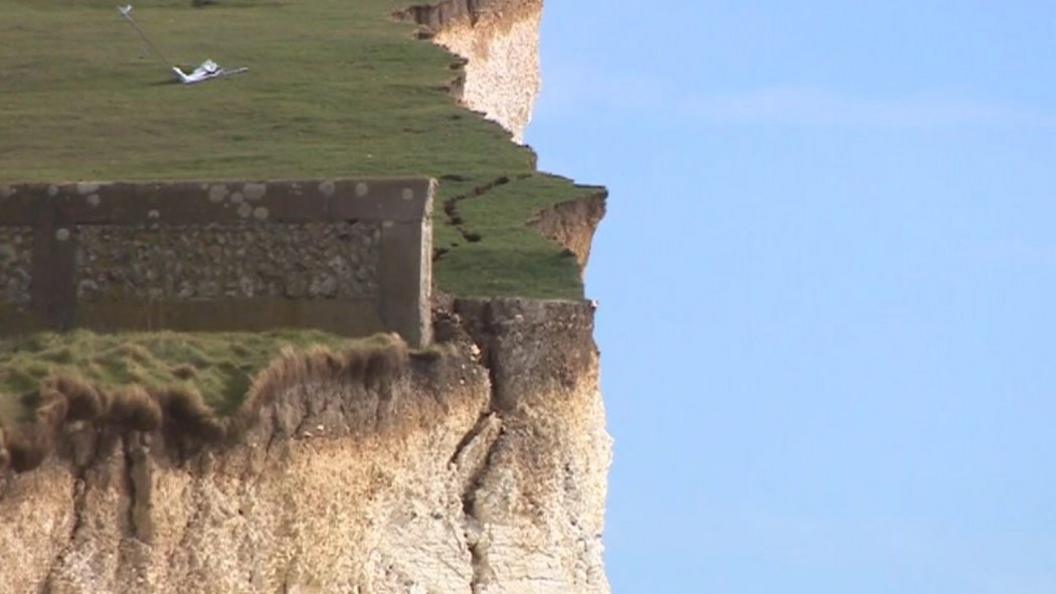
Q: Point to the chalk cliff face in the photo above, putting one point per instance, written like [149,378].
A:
[481,469]
[573,223]
[499,39]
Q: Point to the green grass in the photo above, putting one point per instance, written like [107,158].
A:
[219,366]
[498,217]
[336,88]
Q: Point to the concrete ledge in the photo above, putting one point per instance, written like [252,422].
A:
[350,256]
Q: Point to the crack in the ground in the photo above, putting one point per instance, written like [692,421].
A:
[454,216]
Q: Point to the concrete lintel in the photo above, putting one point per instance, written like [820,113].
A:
[189,203]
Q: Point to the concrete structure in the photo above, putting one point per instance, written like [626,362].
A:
[347,256]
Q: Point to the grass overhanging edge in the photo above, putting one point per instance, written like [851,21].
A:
[181,413]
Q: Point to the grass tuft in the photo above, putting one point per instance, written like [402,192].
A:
[179,409]
[84,402]
[187,416]
[26,448]
[134,409]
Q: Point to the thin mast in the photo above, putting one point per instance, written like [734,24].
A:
[127,13]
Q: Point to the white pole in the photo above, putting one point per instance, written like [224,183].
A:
[127,13]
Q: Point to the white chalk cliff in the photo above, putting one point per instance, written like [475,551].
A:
[478,467]
[499,40]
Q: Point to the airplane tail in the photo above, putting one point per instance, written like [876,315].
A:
[180,75]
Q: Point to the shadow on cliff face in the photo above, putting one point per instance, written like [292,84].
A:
[180,413]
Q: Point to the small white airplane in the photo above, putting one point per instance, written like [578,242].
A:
[206,71]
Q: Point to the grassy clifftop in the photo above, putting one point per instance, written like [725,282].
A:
[337,88]
[217,366]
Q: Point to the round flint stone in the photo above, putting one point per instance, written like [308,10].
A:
[217,193]
[408,194]
[62,234]
[327,188]
[361,189]
[254,191]
[84,188]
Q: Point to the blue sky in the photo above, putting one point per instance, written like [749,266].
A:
[827,284]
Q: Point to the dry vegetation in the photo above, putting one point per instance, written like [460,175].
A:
[179,411]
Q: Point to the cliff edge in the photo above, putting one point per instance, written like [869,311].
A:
[499,41]
[478,464]
[478,467]
[501,79]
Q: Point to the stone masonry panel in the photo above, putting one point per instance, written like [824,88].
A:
[326,260]
[16,260]
[349,256]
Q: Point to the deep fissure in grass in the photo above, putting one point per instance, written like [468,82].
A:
[336,89]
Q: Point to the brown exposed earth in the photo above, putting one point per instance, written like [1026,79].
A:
[479,465]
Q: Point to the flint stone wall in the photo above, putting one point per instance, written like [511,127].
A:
[348,256]
[16,250]
[244,260]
